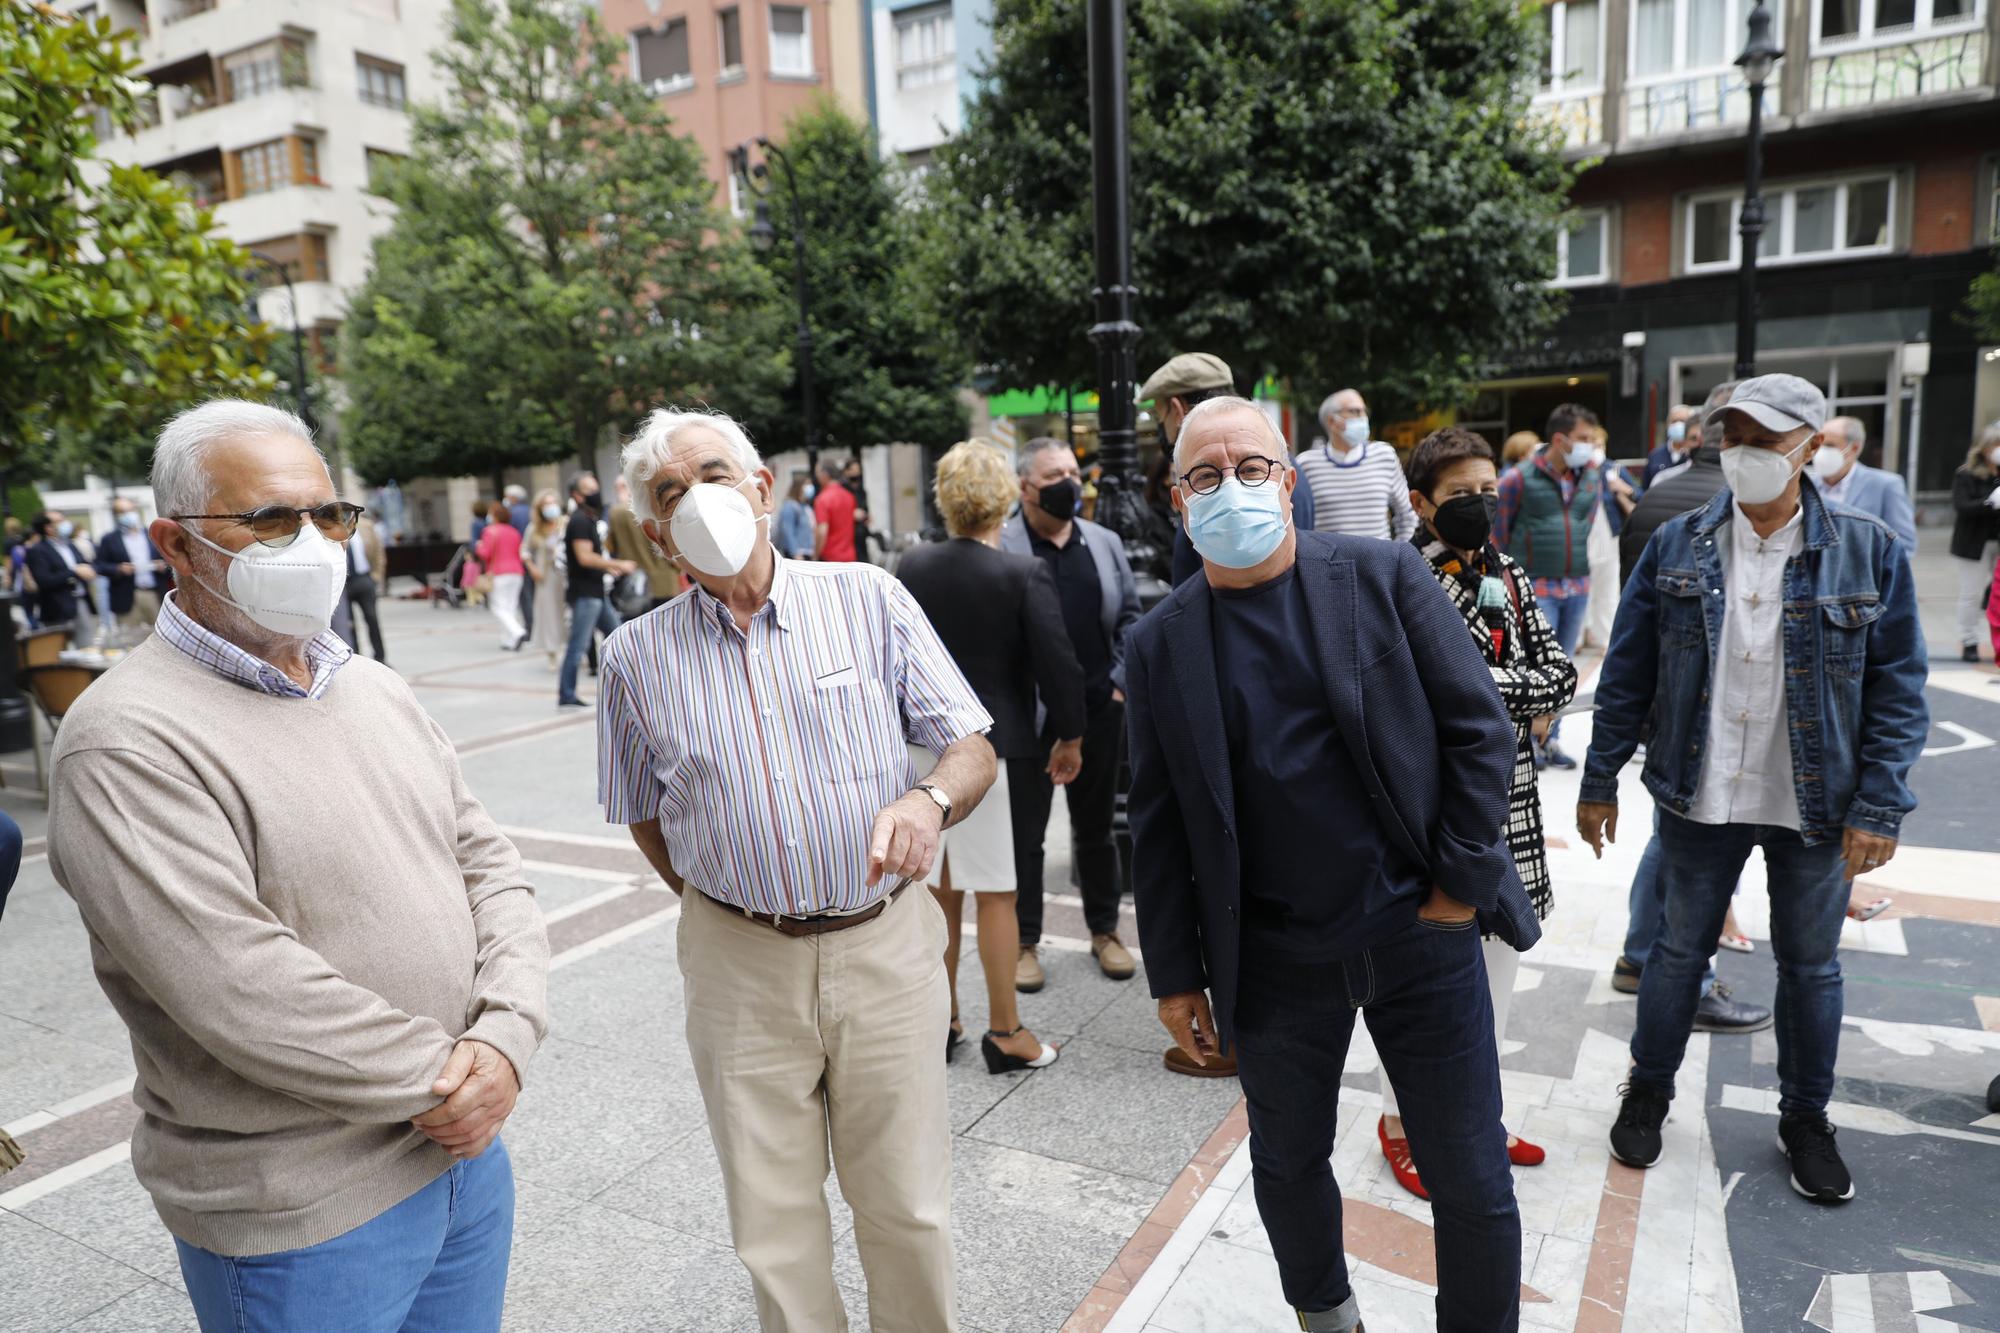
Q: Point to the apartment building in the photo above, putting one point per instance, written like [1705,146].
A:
[276,113]
[1882,189]
[923,55]
[728,71]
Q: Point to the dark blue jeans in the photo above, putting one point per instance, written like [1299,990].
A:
[587,616]
[1701,863]
[1423,994]
[1566,617]
[1648,906]
[10,856]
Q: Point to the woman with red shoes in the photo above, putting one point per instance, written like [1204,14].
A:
[1454,487]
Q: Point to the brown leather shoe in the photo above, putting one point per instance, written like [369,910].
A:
[1113,957]
[1028,974]
[1218,1066]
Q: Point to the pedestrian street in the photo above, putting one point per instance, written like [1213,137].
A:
[1106,1193]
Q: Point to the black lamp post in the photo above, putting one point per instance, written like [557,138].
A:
[762,237]
[300,388]
[1759,54]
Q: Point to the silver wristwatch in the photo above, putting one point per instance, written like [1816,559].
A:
[936,794]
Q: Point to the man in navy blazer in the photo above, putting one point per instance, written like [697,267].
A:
[139,576]
[1850,483]
[1320,773]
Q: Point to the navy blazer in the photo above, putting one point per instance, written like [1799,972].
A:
[1416,706]
[111,554]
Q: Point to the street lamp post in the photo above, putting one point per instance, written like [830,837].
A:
[762,237]
[299,384]
[1759,54]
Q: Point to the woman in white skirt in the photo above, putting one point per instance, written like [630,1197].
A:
[542,552]
[999,617]
[1975,535]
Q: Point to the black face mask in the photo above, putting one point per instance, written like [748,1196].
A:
[1059,499]
[1166,445]
[1465,521]
[594,502]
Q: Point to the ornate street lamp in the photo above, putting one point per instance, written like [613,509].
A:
[1759,54]
[763,236]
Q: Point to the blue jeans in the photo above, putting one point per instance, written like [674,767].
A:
[1648,906]
[10,856]
[587,616]
[1566,617]
[1808,903]
[435,1263]
[1423,993]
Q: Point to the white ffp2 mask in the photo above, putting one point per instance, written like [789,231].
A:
[1757,476]
[714,529]
[289,590]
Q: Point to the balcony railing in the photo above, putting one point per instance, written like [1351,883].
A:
[1945,64]
[186,9]
[1691,102]
[1578,117]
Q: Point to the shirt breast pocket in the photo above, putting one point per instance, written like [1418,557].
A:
[1680,616]
[858,729]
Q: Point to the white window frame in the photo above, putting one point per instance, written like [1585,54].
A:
[1559,84]
[1680,71]
[941,67]
[1605,273]
[806,42]
[364,65]
[673,84]
[1780,218]
[737,207]
[1868,37]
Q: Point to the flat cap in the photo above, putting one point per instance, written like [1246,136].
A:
[1190,372]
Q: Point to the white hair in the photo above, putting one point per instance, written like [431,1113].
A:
[514,493]
[1326,406]
[653,446]
[1215,407]
[181,483]
[1849,429]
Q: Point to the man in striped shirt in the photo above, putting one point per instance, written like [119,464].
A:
[753,734]
[1357,484]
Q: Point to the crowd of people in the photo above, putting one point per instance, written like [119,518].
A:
[822,757]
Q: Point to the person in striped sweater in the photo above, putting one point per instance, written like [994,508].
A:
[1357,483]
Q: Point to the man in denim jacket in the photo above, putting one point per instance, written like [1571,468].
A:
[1773,640]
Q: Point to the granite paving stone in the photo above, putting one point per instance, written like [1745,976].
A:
[48,1280]
[629,1275]
[152,1307]
[111,1213]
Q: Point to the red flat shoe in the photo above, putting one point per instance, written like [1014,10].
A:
[1523,1153]
[1397,1151]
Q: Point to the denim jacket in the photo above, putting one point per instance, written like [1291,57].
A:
[1854,668]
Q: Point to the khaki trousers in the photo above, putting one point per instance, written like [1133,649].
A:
[835,1039]
[145,609]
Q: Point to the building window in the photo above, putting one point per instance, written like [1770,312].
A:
[380,82]
[308,160]
[926,52]
[1583,251]
[660,57]
[1679,36]
[1819,220]
[264,68]
[1857,381]
[1836,22]
[735,189]
[381,162]
[729,26]
[264,166]
[303,257]
[791,41]
[1573,37]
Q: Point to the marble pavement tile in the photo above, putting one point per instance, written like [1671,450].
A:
[538,1207]
[1151,1132]
[629,1274]
[46,977]
[615,1001]
[51,1280]
[1225,1289]
[1076,993]
[151,1308]
[39,1068]
[589,1117]
[1132,1020]
[112,1214]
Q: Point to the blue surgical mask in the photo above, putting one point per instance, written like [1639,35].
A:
[1676,431]
[128,520]
[1354,432]
[1238,526]
[1579,455]
[65,528]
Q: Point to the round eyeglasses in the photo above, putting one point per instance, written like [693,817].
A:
[1204,478]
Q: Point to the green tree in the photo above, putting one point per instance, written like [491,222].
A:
[556,265]
[882,370]
[118,303]
[1329,191]
[1982,304]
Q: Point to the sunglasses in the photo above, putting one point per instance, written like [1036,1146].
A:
[278,525]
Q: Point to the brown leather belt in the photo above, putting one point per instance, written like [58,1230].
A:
[801,927]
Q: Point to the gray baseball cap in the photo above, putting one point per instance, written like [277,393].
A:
[1779,402]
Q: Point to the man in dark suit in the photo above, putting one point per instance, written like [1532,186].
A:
[1317,682]
[138,575]
[367,577]
[58,568]
[1682,421]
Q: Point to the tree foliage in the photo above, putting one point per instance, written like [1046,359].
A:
[1982,304]
[118,303]
[556,265]
[882,371]
[1331,191]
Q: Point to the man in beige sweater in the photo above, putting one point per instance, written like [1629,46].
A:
[331,967]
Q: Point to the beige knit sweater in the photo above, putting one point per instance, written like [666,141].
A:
[296,906]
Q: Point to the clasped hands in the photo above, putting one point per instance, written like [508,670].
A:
[479,1087]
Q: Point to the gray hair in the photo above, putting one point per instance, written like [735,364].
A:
[1711,413]
[1847,429]
[514,494]
[653,447]
[1326,406]
[181,483]
[1024,461]
[1215,407]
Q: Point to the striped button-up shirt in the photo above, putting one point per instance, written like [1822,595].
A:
[766,756]
[325,653]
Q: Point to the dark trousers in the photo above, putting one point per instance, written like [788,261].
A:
[528,605]
[361,598]
[1093,799]
[10,856]
[1423,994]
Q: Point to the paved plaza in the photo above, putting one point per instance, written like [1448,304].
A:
[1105,1193]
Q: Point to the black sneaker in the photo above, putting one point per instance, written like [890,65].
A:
[1555,758]
[1970,653]
[1635,1138]
[1993,1096]
[1720,1012]
[1625,976]
[1817,1171]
